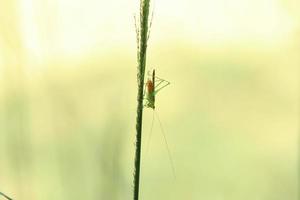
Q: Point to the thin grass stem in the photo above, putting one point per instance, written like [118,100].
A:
[142,38]
[4,195]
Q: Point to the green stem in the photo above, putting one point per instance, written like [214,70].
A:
[142,50]
[7,197]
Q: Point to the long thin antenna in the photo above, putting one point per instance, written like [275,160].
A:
[150,134]
[165,139]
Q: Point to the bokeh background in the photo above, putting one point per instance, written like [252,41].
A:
[68,99]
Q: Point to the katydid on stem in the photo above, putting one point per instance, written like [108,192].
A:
[152,89]
[153,85]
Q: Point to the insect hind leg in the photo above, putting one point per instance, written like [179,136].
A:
[163,86]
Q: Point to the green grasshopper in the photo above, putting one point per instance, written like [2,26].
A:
[152,87]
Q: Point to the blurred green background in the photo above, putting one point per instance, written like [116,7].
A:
[68,99]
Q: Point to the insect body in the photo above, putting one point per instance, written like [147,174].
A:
[153,86]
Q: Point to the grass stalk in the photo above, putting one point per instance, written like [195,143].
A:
[142,38]
[4,195]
